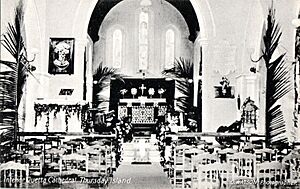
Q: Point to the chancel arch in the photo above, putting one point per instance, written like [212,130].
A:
[143,30]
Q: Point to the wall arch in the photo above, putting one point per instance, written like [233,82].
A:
[201,7]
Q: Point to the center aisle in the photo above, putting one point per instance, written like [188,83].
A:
[140,177]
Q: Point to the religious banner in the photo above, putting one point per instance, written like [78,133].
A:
[61,56]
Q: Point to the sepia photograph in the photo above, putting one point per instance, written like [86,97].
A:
[150,94]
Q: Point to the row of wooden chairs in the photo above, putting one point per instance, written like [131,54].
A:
[92,161]
[188,160]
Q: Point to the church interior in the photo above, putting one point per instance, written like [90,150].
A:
[150,94]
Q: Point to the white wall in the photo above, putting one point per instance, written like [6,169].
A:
[125,16]
[230,24]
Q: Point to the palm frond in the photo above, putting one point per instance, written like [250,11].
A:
[12,80]
[182,69]
[182,72]
[102,76]
[278,82]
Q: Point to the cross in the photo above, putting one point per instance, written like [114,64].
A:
[143,88]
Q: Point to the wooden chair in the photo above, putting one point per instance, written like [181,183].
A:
[268,173]
[292,164]
[201,159]
[179,165]
[99,162]
[244,164]
[35,165]
[13,174]
[265,154]
[187,172]
[223,153]
[72,164]
[214,176]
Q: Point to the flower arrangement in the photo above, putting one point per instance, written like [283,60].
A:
[123,92]
[151,92]
[161,91]
[133,91]
[225,84]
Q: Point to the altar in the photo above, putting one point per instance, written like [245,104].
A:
[144,113]
[144,100]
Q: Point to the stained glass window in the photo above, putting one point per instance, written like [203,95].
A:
[117,48]
[170,49]
[143,40]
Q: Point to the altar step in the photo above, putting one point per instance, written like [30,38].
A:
[131,150]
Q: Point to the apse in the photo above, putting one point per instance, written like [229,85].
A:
[138,37]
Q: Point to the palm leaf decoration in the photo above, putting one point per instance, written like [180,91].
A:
[278,82]
[182,72]
[12,80]
[101,77]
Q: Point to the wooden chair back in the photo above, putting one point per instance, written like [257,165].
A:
[13,174]
[244,164]
[269,173]
[214,176]
[292,164]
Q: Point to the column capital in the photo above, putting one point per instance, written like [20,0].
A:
[203,41]
[81,41]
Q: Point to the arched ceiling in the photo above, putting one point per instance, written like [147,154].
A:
[104,6]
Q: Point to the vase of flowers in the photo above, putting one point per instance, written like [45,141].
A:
[225,84]
[133,92]
[161,91]
[151,92]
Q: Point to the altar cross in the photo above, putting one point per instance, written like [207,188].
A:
[143,88]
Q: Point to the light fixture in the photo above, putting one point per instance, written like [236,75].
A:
[27,64]
[253,69]
[34,52]
[296,22]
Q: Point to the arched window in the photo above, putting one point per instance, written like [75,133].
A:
[117,48]
[170,49]
[143,40]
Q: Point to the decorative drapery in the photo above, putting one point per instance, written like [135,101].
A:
[69,110]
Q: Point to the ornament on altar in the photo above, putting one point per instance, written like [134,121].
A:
[161,91]
[123,92]
[225,84]
[151,92]
[133,91]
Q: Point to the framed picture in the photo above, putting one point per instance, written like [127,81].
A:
[61,56]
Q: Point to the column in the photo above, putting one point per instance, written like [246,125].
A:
[205,82]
